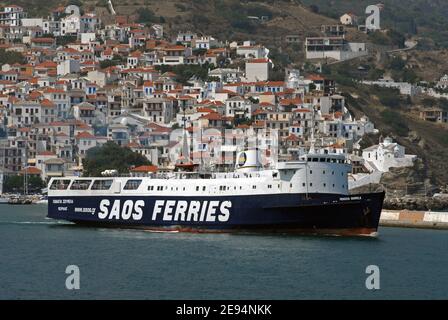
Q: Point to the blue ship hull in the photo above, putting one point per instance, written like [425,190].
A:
[298,213]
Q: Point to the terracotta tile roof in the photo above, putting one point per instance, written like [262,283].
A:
[287,102]
[212,116]
[46,153]
[31,170]
[85,135]
[43,40]
[47,104]
[145,169]
[261,60]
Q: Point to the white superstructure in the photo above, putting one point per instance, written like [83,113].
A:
[313,173]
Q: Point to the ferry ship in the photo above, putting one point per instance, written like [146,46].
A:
[307,196]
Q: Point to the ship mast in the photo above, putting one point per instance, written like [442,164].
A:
[312,150]
[25,175]
[2,169]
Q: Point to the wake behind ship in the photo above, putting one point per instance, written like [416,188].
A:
[309,196]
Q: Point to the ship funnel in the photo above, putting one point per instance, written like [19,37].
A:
[248,160]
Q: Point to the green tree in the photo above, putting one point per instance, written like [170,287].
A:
[14,183]
[185,71]
[11,57]
[397,63]
[108,63]
[111,156]
[396,122]
[146,15]
[75,2]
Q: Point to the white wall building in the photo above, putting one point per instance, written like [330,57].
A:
[333,47]
[70,25]
[238,107]
[68,66]
[12,15]
[252,51]
[349,19]
[404,87]
[257,70]
[386,155]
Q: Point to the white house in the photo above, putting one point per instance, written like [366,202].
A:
[349,19]
[70,24]
[386,155]
[159,110]
[238,107]
[337,48]
[443,82]
[204,42]
[68,66]
[12,15]
[252,51]
[257,70]
[405,88]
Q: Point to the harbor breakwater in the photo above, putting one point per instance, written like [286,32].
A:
[414,219]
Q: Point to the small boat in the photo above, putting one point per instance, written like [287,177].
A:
[42,200]
[20,200]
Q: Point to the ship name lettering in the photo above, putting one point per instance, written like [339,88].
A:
[208,211]
[125,210]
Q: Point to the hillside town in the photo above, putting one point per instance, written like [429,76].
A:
[84,84]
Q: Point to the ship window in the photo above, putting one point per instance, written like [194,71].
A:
[311,184]
[203,188]
[322,159]
[333,185]
[150,188]
[197,188]
[332,172]
[132,184]
[328,160]
[303,184]
[315,159]
[290,185]
[59,184]
[323,172]
[325,185]
[101,184]
[311,171]
[254,187]
[80,184]
[159,188]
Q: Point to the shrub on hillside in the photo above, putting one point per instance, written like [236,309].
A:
[395,121]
